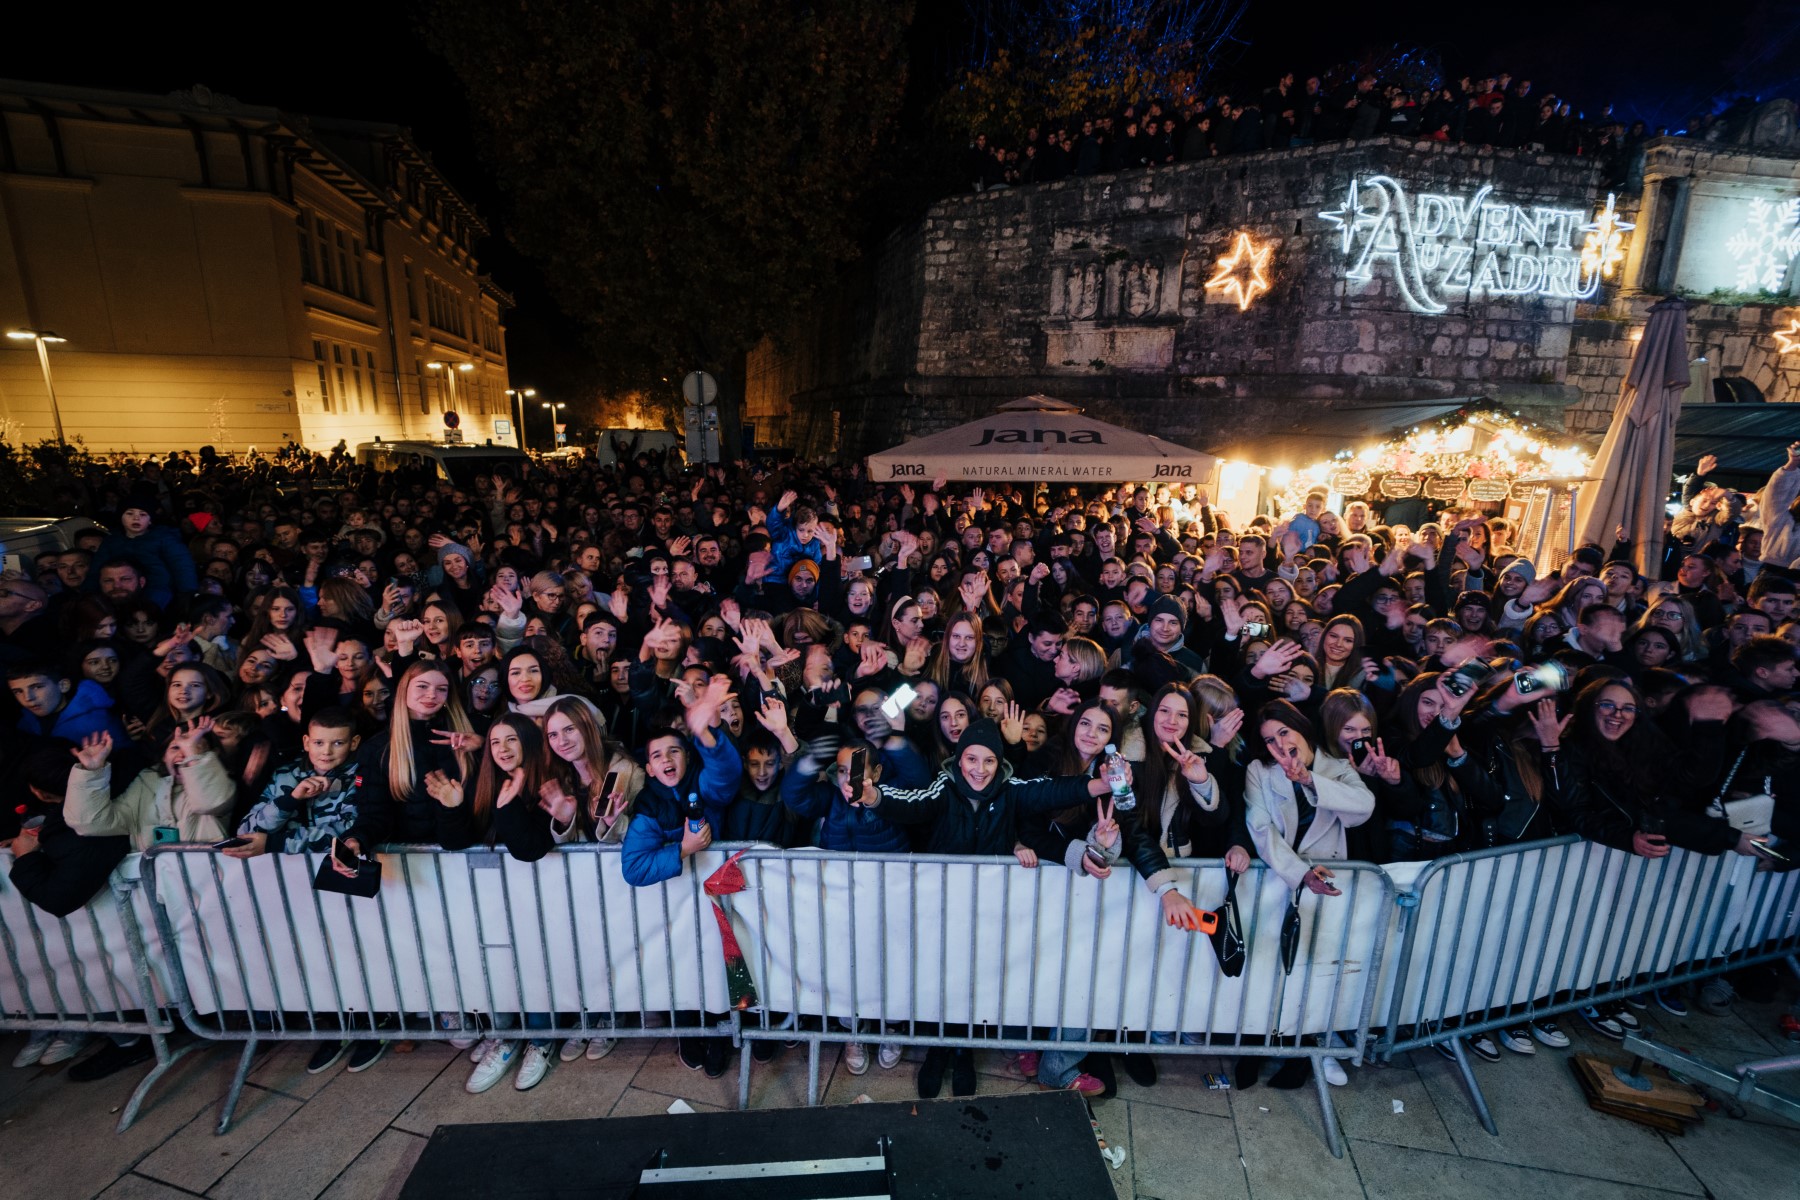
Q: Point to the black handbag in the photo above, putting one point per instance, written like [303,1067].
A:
[1290,935]
[1228,934]
[365,883]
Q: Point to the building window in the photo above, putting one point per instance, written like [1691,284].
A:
[424,390]
[308,271]
[324,376]
[412,291]
[356,380]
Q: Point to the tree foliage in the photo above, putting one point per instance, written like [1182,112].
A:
[1031,59]
[688,173]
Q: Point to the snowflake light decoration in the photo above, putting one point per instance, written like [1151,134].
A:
[1241,274]
[1768,240]
[1604,247]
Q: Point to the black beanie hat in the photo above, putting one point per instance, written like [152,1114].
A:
[982,733]
[1166,605]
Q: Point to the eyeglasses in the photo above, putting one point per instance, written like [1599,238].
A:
[1609,707]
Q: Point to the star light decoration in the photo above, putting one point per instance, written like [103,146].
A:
[1604,247]
[1788,340]
[1764,245]
[1242,275]
[1353,216]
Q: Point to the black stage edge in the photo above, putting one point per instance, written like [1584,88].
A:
[977,1148]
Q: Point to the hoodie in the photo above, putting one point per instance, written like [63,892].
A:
[89,710]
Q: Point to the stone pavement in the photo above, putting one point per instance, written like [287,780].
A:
[342,1135]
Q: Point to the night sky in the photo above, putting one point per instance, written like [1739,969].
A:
[1661,62]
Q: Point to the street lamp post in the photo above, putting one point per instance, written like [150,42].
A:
[553,409]
[520,395]
[43,338]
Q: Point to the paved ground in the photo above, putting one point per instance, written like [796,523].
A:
[342,1135]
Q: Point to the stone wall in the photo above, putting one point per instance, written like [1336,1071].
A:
[1095,291]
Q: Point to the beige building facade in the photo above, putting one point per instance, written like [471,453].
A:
[236,276]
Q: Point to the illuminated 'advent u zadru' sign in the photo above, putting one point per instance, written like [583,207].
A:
[1441,248]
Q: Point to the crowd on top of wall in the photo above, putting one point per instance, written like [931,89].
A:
[1502,110]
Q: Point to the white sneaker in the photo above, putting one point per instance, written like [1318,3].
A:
[1518,1040]
[63,1047]
[599,1048]
[449,1021]
[492,1068]
[534,1068]
[1333,1072]
[571,1050]
[856,1057]
[889,1056]
[482,1049]
[33,1049]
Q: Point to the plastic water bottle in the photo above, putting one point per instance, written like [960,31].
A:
[1113,771]
[696,815]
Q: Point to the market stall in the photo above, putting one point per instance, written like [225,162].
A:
[1041,439]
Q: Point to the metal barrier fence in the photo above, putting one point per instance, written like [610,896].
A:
[88,972]
[882,948]
[456,944]
[1496,938]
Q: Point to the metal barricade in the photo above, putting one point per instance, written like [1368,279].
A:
[1496,938]
[947,951]
[456,944]
[88,972]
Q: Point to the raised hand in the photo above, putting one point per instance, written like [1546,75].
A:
[558,803]
[1106,824]
[457,742]
[1064,701]
[1294,769]
[1707,465]
[407,634]
[445,790]
[874,660]
[321,647]
[93,751]
[281,646]
[1226,728]
[1277,659]
[786,501]
[1012,723]
[189,733]
[1539,590]
[773,715]
[1547,725]
[510,787]
[1192,766]
[509,600]
[680,546]
[731,614]
[182,635]
[1379,766]
[906,492]
[913,661]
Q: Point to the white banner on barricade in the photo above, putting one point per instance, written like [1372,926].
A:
[75,966]
[448,932]
[1502,931]
[986,942]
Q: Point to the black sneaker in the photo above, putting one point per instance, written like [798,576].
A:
[1625,1017]
[962,1073]
[692,1052]
[717,1050]
[1140,1068]
[326,1055]
[1249,1070]
[111,1059]
[365,1053]
[931,1072]
[764,1051]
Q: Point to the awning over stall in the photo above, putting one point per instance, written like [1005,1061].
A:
[1038,438]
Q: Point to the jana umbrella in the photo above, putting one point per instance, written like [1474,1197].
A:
[1637,458]
[1041,438]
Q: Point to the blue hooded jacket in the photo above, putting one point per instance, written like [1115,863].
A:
[89,710]
[652,850]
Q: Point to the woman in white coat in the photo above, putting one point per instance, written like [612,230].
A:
[1297,806]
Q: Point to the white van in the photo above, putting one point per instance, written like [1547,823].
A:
[457,464]
[638,439]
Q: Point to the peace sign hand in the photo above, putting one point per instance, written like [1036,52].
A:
[1106,825]
[1378,765]
[455,741]
[1191,765]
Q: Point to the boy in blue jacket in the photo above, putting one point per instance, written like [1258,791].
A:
[660,839]
[792,538]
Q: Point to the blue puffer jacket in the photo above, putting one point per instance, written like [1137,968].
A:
[169,568]
[89,710]
[652,850]
[851,827]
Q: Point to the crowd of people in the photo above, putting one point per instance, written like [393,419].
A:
[310,655]
[1501,110]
